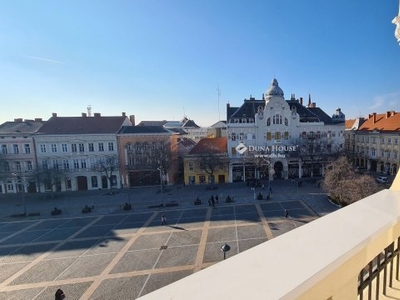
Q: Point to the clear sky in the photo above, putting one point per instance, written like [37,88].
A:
[163,59]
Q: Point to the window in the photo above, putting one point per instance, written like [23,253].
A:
[396,141]
[68,184]
[277,119]
[233,150]
[110,146]
[233,136]
[269,136]
[74,148]
[81,147]
[4,149]
[76,164]
[286,122]
[373,153]
[373,139]
[286,135]
[83,163]
[101,147]
[191,165]
[16,149]
[27,148]
[6,166]
[53,148]
[43,148]
[395,155]
[94,182]
[66,164]
[55,164]
[91,147]
[10,186]
[29,165]
[241,136]
[277,136]
[44,165]
[64,148]
[382,140]
[17,166]
[269,122]
[389,140]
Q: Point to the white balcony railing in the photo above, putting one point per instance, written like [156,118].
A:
[320,260]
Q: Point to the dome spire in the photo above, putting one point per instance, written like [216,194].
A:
[274,89]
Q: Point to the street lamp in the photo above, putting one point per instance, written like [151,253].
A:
[225,248]
[161,185]
[21,183]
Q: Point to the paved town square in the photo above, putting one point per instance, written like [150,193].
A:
[115,254]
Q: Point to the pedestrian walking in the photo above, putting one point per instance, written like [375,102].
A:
[286,213]
[59,295]
[163,220]
[216,199]
[270,189]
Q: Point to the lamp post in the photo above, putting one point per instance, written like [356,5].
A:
[21,183]
[225,248]
[161,185]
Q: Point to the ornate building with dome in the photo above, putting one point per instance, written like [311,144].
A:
[274,138]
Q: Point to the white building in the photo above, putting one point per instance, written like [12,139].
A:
[17,156]
[68,149]
[274,138]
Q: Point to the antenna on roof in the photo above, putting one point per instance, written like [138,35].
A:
[219,93]
[89,110]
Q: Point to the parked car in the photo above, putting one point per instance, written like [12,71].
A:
[382,179]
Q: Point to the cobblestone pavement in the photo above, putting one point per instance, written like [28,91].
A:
[115,254]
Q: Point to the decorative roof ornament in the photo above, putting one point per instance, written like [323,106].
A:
[274,90]
[396,21]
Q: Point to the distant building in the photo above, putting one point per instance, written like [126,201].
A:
[17,157]
[217,130]
[148,155]
[184,126]
[274,138]
[207,162]
[374,143]
[69,149]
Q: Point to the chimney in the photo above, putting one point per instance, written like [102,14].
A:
[54,115]
[373,118]
[97,115]
[84,115]
[313,105]
[392,113]
[38,119]
[124,114]
[19,120]
[301,100]
[132,119]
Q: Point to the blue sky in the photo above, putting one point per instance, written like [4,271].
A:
[162,59]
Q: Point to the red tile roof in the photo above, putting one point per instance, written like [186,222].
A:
[207,145]
[389,121]
[349,123]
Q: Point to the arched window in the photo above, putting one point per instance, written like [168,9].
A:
[277,119]
[233,136]
[269,122]
[286,122]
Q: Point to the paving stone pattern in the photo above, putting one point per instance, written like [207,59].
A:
[125,255]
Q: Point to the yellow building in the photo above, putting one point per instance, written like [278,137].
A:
[207,162]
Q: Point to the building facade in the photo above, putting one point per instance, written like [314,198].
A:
[78,153]
[148,155]
[374,144]
[274,138]
[17,156]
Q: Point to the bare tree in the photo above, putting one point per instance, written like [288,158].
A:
[344,185]
[315,151]
[107,166]
[211,161]
[261,162]
[51,178]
